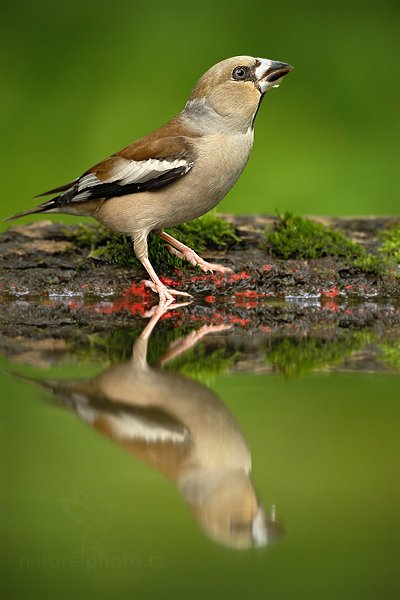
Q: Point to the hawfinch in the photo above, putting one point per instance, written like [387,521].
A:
[180,171]
[179,427]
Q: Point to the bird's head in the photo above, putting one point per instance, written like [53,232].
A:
[234,87]
[228,510]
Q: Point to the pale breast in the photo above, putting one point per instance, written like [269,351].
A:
[220,161]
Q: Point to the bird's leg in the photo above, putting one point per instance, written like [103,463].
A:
[139,350]
[166,295]
[179,249]
[182,345]
[155,314]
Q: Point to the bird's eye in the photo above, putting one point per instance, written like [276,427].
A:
[240,73]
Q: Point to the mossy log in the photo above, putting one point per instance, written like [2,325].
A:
[53,259]
[62,298]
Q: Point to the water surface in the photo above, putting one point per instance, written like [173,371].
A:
[220,463]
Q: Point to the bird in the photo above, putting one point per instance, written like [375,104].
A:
[179,427]
[180,171]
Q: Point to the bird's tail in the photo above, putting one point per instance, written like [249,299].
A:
[45,207]
[49,206]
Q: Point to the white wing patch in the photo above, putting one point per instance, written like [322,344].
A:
[133,171]
[88,181]
[81,196]
[129,427]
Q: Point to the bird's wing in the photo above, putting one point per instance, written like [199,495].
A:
[147,165]
[126,421]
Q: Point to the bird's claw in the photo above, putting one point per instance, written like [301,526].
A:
[165,294]
[158,309]
[197,261]
[213,267]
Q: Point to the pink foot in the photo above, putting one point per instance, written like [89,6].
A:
[196,260]
[155,314]
[166,294]
[158,311]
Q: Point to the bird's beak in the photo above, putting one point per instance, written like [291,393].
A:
[265,529]
[269,73]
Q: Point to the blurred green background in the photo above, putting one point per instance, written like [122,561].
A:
[82,79]
[324,450]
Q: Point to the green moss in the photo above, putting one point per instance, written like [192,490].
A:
[298,238]
[116,347]
[197,363]
[388,254]
[391,244]
[371,264]
[209,231]
[88,236]
[391,353]
[117,250]
[294,357]
[205,232]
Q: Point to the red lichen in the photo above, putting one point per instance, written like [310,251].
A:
[238,276]
[332,293]
[331,305]
[171,282]
[238,320]
[249,294]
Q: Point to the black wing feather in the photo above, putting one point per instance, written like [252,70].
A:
[103,191]
[62,188]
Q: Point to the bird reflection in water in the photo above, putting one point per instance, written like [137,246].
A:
[181,428]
